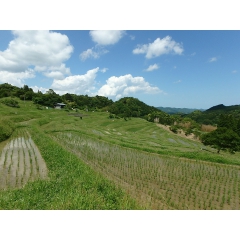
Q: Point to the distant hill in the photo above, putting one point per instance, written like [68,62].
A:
[211,115]
[217,107]
[171,110]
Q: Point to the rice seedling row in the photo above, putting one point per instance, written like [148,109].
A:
[20,162]
[159,182]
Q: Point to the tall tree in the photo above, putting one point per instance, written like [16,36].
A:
[222,139]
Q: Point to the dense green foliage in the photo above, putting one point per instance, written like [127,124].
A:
[222,139]
[6,129]
[131,107]
[226,136]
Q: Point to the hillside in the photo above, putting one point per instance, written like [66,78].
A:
[211,116]
[131,107]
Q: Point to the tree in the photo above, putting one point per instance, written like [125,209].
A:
[51,92]
[222,139]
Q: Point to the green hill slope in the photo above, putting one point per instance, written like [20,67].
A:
[212,115]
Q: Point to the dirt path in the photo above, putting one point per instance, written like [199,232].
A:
[20,162]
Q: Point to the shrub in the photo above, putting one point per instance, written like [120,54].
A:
[174,128]
[6,129]
[10,103]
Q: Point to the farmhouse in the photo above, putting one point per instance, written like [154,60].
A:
[59,105]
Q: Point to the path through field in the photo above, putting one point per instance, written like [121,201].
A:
[20,162]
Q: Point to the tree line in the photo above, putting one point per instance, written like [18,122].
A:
[50,98]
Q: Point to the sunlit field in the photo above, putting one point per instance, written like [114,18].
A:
[55,160]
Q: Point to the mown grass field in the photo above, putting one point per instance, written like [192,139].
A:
[101,163]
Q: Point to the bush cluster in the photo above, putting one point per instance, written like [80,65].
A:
[10,103]
[6,129]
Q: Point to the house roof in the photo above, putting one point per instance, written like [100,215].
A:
[60,104]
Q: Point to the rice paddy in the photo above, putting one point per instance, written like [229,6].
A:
[159,182]
[20,162]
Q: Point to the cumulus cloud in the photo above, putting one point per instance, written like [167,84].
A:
[106,37]
[38,48]
[90,53]
[42,50]
[213,59]
[152,67]
[78,84]
[126,85]
[16,78]
[159,47]
[58,72]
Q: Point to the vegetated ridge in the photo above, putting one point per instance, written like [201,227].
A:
[212,115]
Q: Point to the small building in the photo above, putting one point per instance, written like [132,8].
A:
[59,105]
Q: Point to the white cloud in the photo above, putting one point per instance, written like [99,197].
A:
[36,89]
[152,67]
[159,47]
[234,71]
[104,70]
[213,59]
[132,37]
[126,85]
[54,74]
[16,78]
[106,37]
[35,48]
[78,84]
[90,53]
[30,51]
[58,72]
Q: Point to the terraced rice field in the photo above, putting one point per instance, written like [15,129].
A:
[20,162]
[159,182]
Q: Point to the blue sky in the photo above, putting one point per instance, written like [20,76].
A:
[185,68]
